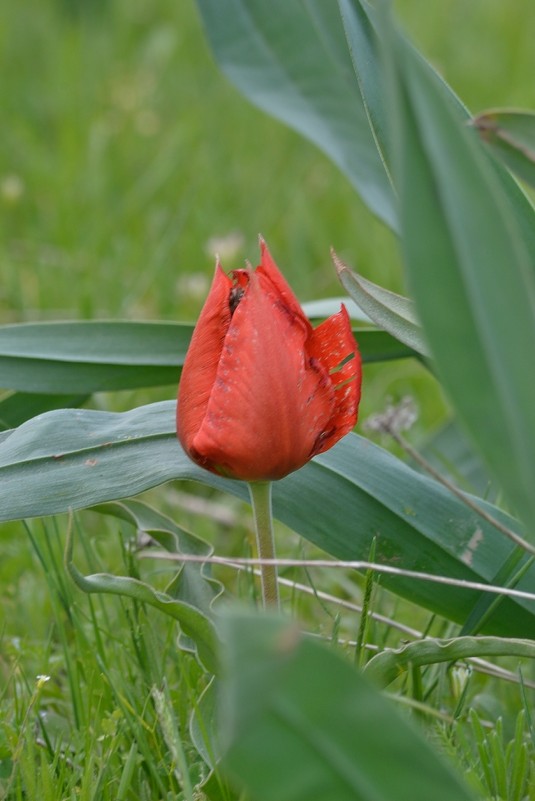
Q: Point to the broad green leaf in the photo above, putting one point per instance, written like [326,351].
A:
[291,60]
[17,407]
[340,501]
[392,312]
[301,724]
[361,23]
[510,134]
[509,575]
[470,273]
[196,625]
[87,357]
[386,666]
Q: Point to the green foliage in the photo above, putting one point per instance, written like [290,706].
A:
[422,525]
[329,736]
[125,156]
[388,310]
[195,624]
[461,227]
[388,665]
[301,75]
[510,135]
[89,723]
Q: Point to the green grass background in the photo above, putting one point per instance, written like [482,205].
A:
[126,161]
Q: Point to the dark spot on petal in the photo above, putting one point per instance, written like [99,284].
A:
[320,439]
[235,295]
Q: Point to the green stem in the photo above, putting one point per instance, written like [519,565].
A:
[261,502]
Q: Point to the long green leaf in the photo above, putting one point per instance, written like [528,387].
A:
[87,357]
[380,346]
[17,407]
[340,501]
[510,135]
[388,665]
[291,60]
[361,24]
[193,583]
[388,310]
[470,272]
[301,724]
[196,625]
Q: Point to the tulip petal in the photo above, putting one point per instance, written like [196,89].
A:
[268,269]
[270,401]
[333,344]
[202,359]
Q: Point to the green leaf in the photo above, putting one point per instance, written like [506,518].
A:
[202,728]
[362,23]
[86,357]
[510,134]
[386,666]
[359,25]
[340,501]
[196,625]
[193,583]
[18,407]
[301,724]
[375,345]
[380,346]
[320,309]
[394,313]
[291,60]
[450,452]
[470,272]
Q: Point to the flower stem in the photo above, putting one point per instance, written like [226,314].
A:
[260,492]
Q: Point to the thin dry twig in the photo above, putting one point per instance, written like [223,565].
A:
[481,665]
[352,565]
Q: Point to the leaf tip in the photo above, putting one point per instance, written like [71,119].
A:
[338,263]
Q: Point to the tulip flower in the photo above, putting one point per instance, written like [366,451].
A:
[262,391]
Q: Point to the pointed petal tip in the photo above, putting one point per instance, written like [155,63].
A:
[344,312]
[264,250]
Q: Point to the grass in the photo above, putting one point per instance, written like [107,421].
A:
[126,160]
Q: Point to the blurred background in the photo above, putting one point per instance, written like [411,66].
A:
[127,160]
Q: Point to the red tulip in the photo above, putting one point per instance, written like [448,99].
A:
[262,392]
